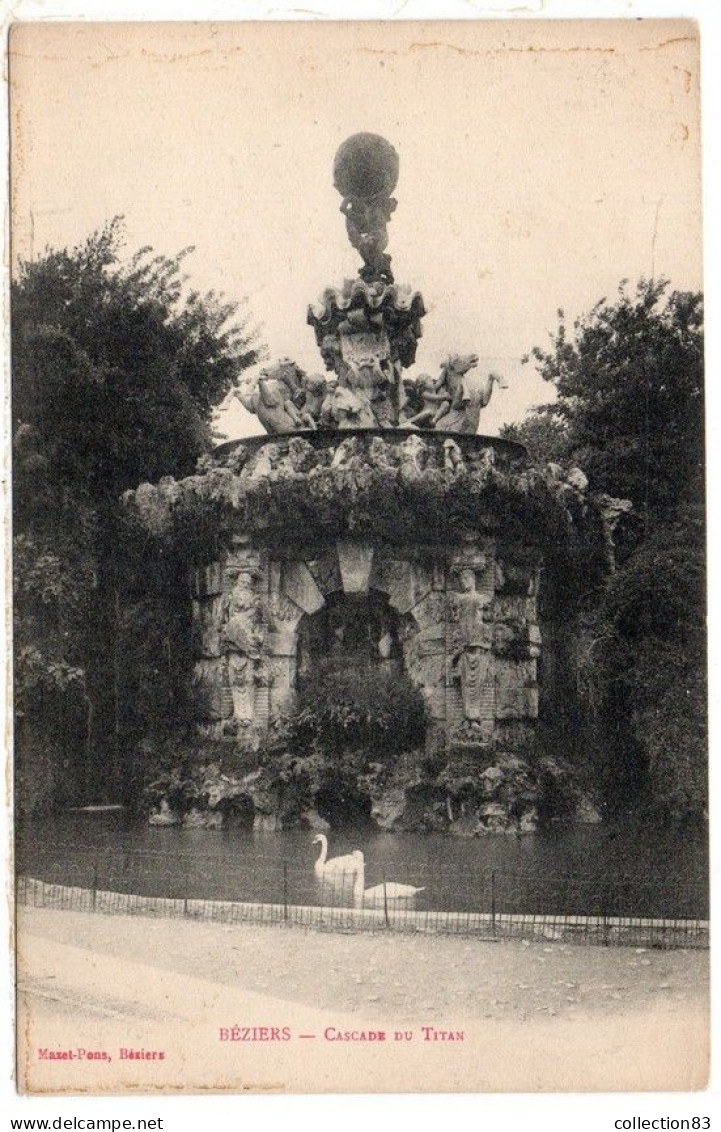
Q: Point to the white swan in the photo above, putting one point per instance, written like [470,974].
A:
[338,868]
[388,894]
[391,893]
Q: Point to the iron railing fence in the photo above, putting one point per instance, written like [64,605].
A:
[493,903]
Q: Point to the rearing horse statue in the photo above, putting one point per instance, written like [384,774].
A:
[467,397]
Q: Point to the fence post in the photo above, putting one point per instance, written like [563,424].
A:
[385,903]
[186,886]
[493,901]
[95,884]
[285,892]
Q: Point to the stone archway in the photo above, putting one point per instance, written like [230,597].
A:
[411,592]
[465,626]
[351,632]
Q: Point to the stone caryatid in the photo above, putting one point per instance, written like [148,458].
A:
[472,663]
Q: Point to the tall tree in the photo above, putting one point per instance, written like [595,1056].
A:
[629,408]
[116,369]
[629,411]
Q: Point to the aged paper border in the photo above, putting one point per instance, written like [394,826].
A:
[628,1104]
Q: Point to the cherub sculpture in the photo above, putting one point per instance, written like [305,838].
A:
[428,400]
[313,394]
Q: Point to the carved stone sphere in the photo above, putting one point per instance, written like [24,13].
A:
[365,165]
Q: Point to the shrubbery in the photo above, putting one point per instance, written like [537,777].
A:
[351,708]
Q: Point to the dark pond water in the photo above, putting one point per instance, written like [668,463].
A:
[601,869]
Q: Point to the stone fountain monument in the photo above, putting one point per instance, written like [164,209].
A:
[371,517]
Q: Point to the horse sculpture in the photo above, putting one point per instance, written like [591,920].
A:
[274,397]
[467,397]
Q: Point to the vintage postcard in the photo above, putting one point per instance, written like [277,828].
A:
[359,557]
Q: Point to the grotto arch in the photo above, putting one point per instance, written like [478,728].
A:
[383,604]
[350,632]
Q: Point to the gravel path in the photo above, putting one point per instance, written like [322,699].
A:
[400,975]
[533,1016]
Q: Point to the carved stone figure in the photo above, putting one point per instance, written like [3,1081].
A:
[326,418]
[314,390]
[273,397]
[346,453]
[263,464]
[382,406]
[472,662]
[302,456]
[350,410]
[411,402]
[241,635]
[366,223]
[467,397]
[379,453]
[365,172]
[428,400]
[413,454]
[452,455]
[468,610]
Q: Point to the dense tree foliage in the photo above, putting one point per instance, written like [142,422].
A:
[629,412]
[116,369]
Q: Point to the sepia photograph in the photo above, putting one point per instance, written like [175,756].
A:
[358,557]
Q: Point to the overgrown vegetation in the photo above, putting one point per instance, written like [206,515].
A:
[349,707]
[629,411]
[116,368]
[434,507]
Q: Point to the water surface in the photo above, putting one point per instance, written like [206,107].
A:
[602,869]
